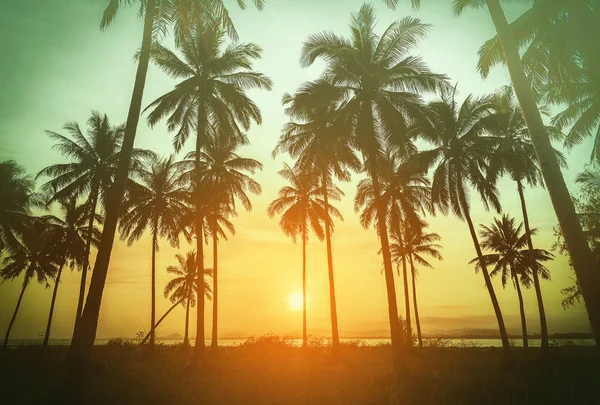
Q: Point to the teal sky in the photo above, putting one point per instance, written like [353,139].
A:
[57,66]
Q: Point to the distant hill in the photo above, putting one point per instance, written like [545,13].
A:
[172,336]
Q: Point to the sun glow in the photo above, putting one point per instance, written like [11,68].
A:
[295,301]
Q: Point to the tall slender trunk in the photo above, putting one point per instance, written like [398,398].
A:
[486,275]
[12,320]
[157,324]
[522,310]
[88,247]
[54,292]
[406,294]
[85,332]
[536,278]
[153,295]
[335,335]
[186,338]
[414,291]
[586,268]
[215,336]
[304,338]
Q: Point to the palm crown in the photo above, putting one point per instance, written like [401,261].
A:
[16,189]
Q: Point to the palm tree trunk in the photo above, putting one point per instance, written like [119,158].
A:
[199,343]
[214,342]
[536,278]
[12,320]
[335,335]
[88,247]
[85,332]
[584,264]
[153,295]
[186,338]
[486,275]
[414,290]
[304,338]
[54,292]
[406,294]
[522,310]
[156,325]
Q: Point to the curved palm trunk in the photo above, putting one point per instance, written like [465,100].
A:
[304,337]
[156,325]
[12,320]
[85,332]
[54,293]
[88,247]
[414,291]
[186,338]
[522,310]
[335,335]
[153,309]
[215,338]
[486,276]
[406,294]
[586,268]
[536,278]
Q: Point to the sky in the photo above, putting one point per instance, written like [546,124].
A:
[57,66]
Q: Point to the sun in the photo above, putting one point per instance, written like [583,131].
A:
[295,301]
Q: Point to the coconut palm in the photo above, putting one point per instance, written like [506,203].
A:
[302,206]
[405,194]
[33,256]
[16,190]
[93,163]
[158,15]
[459,159]
[515,156]
[380,81]
[414,245]
[182,288]
[211,98]
[155,200]
[511,260]
[319,139]
[71,234]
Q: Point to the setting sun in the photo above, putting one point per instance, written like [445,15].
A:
[295,301]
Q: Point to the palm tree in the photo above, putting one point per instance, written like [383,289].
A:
[405,194]
[94,159]
[16,190]
[158,14]
[71,234]
[575,239]
[511,260]
[379,80]
[156,201]
[301,206]
[211,98]
[33,256]
[182,288]
[224,171]
[515,155]
[319,140]
[460,160]
[413,245]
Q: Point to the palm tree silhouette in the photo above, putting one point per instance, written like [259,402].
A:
[210,98]
[156,201]
[94,159]
[71,233]
[515,155]
[301,206]
[16,190]
[379,80]
[158,15]
[405,194]
[460,160]
[182,288]
[413,244]
[320,140]
[511,260]
[34,256]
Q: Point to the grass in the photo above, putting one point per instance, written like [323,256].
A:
[268,370]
